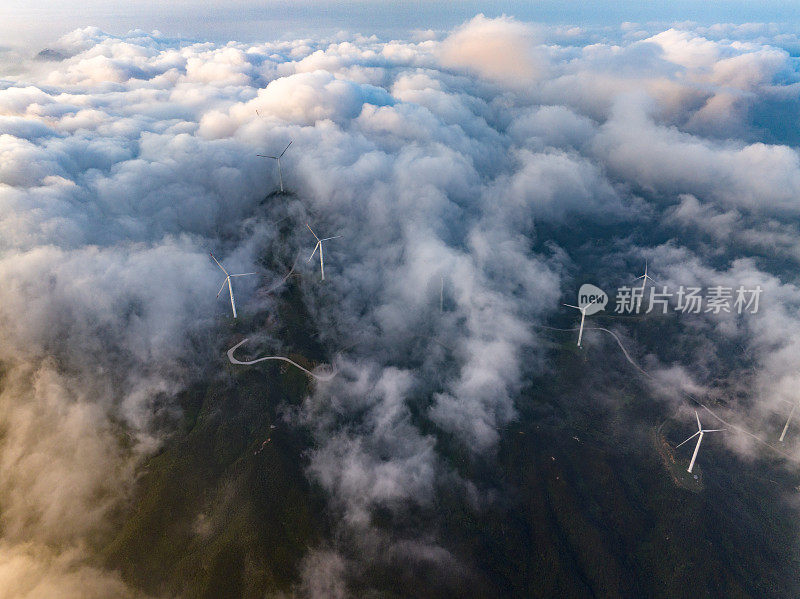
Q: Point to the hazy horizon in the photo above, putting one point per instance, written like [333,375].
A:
[38,22]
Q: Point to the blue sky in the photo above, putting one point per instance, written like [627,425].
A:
[32,22]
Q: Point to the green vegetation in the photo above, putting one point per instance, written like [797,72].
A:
[215,517]
[219,512]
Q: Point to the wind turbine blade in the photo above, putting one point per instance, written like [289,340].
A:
[713,430]
[687,440]
[284,150]
[218,264]
[788,420]
[315,251]
[222,287]
[642,277]
[244,274]
[312,232]
[571,306]
[699,426]
[329,238]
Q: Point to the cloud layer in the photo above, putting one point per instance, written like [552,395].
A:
[451,171]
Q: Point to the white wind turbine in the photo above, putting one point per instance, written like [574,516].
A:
[228,281]
[278,158]
[645,277]
[583,317]
[700,431]
[319,247]
[788,420]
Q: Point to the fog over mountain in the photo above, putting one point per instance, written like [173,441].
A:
[501,164]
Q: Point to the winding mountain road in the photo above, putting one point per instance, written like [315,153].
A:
[281,358]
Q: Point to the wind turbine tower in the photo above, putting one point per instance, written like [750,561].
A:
[583,317]
[278,159]
[582,310]
[645,278]
[700,431]
[319,247]
[228,282]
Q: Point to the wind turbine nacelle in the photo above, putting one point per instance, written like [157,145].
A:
[591,299]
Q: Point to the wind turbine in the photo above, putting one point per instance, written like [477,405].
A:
[319,246]
[788,420]
[278,158]
[700,431]
[228,281]
[583,317]
[644,278]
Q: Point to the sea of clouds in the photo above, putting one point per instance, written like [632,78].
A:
[441,160]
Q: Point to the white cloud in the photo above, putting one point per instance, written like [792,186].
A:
[439,163]
[501,50]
